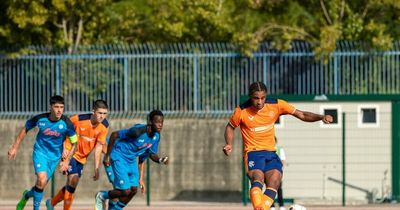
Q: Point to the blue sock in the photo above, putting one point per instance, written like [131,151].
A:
[120,205]
[37,198]
[111,203]
[29,194]
[104,194]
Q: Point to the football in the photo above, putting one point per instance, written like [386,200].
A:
[297,207]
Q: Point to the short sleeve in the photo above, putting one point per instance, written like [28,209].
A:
[70,130]
[102,135]
[74,120]
[31,123]
[154,147]
[234,121]
[285,107]
[122,133]
[143,157]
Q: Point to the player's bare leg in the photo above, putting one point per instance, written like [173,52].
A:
[257,181]
[272,182]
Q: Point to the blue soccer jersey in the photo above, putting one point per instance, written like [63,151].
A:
[51,135]
[133,142]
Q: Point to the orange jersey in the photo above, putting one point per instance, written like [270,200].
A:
[88,136]
[258,127]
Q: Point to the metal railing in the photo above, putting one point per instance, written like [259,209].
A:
[185,79]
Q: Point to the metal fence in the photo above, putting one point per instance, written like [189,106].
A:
[185,79]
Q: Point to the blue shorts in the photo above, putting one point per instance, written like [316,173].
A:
[42,164]
[110,173]
[126,174]
[75,167]
[263,160]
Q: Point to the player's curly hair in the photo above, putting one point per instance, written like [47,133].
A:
[152,114]
[257,86]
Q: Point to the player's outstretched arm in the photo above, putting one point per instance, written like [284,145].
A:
[12,152]
[312,117]
[229,133]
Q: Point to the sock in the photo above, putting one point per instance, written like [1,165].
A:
[112,203]
[269,197]
[68,197]
[58,197]
[29,194]
[105,195]
[256,194]
[120,205]
[37,198]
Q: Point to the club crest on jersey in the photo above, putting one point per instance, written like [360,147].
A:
[61,126]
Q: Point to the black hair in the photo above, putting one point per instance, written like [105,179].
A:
[152,114]
[100,104]
[257,86]
[56,99]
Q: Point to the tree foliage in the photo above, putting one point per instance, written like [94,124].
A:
[70,23]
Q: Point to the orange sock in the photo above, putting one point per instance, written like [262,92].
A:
[68,198]
[58,198]
[267,200]
[256,198]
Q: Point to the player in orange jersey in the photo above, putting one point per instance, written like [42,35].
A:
[256,118]
[91,130]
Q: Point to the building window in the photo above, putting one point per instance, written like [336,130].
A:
[336,112]
[368,116]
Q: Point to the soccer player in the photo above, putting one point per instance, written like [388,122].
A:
[91,129]
[123,150]
[256,118]
[48,148]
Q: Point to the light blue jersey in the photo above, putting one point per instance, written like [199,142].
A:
[134,142]
[51,135]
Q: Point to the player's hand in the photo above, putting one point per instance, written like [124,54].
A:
[12,152]
[65,154]
[96,174]
[64,164]
[227,149]
[142,186]
[327,119]
[164,160]
[106,161]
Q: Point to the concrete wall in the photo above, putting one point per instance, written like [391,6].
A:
[199,171]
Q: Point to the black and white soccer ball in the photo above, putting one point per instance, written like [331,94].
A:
[296,207]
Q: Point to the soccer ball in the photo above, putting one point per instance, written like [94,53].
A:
[297,207]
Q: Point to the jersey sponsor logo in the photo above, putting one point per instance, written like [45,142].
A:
[49,132]
[145,146]
[251,164]
[262,129]
[86,138]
